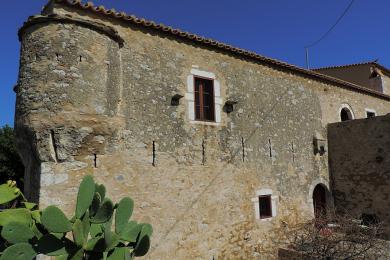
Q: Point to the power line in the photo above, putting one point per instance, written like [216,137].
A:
[333,26]
[327,32]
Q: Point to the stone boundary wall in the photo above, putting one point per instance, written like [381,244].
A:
[359,164]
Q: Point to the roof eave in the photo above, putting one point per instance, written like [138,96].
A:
[217,45]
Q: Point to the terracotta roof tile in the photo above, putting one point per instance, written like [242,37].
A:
[344,65]
[209,42]
[373,63]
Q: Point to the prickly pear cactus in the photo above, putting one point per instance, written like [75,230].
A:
[9,192]
[27,231]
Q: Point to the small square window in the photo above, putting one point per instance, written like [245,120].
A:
[265,206]
[204,99]
[370,114]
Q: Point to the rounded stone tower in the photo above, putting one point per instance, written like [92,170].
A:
[68,96]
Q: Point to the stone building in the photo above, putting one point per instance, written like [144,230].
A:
[371,75]
[360,168]
[219,147]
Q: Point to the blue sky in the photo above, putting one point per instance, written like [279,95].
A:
[279,29]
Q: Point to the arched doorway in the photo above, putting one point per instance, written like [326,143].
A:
[345,114]
[319,201]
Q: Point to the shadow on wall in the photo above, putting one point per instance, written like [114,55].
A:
[359,164]
[26,146]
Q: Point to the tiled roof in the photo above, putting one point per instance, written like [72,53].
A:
[345,65]
[372,63]
[217,45]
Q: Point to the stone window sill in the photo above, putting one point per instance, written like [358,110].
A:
[205,123]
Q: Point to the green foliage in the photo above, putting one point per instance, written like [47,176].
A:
[119,253]
[29,205]
[21,251]
[78,233]
[101,190]
[104,213]
[131,231]
[27,231]
[123,213]
[11,166]
[85,196]
[143,241]
[142,246]
[8,192]
[15,232]
[95,205]
[55,220]
[51,245]
[20,215]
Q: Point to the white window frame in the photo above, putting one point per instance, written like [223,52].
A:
[274,204]
[190,96]
[370,111]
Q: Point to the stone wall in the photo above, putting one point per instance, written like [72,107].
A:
[385,83]
[360,166]
[94,95]
[357,74]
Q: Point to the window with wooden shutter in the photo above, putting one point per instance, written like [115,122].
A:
[204,99]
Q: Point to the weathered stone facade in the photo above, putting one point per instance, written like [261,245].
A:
[360,167]
[94,97]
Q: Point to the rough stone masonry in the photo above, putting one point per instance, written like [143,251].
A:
[94,96]
[360,168]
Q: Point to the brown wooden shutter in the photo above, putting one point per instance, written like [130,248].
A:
[204,99]
[198,107]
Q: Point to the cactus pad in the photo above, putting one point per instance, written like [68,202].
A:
[30,205]
[147,229]
[123,213]
[22,216]
[85,195]
[143,242]
[8,193]
[131,232]
[21,251]
[119,253]
[16,233]
[51,245]
[78,233]
[111,239]
[27,231]
[55,220]
[96,230]
[101,190]
[104,213]
[142,246]
[95,205]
